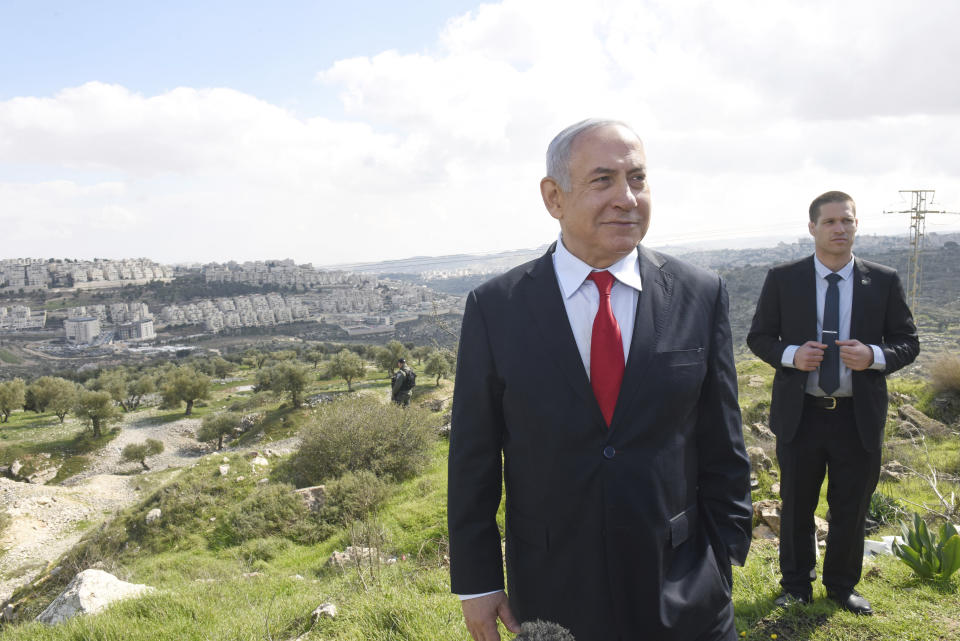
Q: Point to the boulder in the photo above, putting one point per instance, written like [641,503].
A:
[355,553]
[15,468]
[153,515]
[40,477]
[763,531]
[762,431]
[224,470]
[928,426]
[768,513]
[259,461]
[893,471]
[759,459]
[324,611]
[313,497]
[823,528]
[89,592]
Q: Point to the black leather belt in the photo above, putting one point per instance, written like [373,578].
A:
[827,402]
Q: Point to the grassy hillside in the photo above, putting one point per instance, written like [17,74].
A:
[236,559]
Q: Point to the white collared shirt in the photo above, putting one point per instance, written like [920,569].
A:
[845,289]
[581,298]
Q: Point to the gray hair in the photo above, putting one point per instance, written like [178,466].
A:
[558,152]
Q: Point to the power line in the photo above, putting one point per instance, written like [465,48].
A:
[918,221]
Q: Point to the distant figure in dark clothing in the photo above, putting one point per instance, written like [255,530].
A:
[402,383]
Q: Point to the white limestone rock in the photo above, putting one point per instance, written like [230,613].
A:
[89,592]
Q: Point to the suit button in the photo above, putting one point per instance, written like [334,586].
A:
[609,452]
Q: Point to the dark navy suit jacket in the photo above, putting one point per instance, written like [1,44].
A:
[626,532]
[787,315]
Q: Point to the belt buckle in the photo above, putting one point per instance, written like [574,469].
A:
[833,404]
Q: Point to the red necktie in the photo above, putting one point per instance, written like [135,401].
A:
[606,349]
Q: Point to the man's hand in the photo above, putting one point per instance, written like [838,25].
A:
[808,356]
[480,615]
[855,354]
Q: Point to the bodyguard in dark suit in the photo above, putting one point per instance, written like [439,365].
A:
[833,326]
[597,382]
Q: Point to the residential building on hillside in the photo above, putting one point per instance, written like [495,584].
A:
[82,330]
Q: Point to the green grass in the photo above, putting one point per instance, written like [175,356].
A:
[9,357]
[203,593]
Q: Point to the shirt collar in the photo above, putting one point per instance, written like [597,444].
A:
[845,272]
[571,271]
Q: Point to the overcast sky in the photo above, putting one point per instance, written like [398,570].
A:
[345,132]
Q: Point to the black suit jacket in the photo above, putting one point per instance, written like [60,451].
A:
[787,315]
[626,532]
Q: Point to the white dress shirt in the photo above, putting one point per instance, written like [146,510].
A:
[582,300]
[845,288]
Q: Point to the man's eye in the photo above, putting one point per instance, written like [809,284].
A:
[602,179]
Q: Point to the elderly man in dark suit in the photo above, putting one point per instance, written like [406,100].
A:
[833,326]
[597,382]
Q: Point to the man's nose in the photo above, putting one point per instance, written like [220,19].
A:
[626,199]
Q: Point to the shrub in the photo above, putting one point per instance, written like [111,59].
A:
[138,452]
[945,373]
[759,412]
[883,509]
[921,551]
[264,549]
[353,496]
[271,510]
[354,434]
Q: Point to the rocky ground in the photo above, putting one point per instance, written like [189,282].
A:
[47,520]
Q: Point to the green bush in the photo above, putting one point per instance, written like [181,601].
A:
[264,549]
[363,433]
[353,496]
[883,509]
[759,412]
[271,510]
[921,551]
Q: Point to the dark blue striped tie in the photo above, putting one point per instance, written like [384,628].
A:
[830,367]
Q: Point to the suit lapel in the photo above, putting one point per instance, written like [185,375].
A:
[653,306]
[545,304]
[806,297]
[861,285]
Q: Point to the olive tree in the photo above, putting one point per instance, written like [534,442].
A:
[186,385]
[140,451]
[96,409]
[348,366]
[13,394]
[215,426]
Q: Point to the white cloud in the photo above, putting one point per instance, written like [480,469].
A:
[748,110]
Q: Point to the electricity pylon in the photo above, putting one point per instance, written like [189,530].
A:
[918,220]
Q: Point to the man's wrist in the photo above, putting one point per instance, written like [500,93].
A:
[788,355]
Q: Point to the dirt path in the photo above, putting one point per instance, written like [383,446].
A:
[47,520]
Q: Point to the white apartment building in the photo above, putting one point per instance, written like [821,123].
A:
[82,330]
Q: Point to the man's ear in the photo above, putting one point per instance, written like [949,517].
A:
[552,196]
[812,226]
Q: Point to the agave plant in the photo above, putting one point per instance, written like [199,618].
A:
[922,552]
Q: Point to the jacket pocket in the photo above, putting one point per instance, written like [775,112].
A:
[681,525]
[684,357]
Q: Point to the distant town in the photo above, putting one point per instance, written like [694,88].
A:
[358,304]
